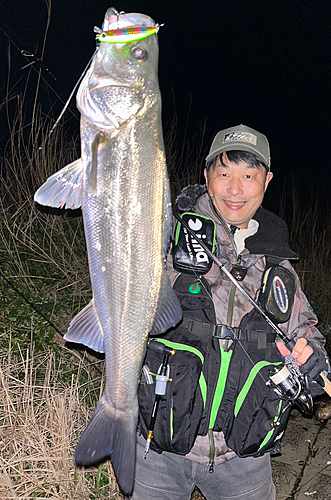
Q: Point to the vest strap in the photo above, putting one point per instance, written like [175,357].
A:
[224,332]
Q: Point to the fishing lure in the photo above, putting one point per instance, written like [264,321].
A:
[125,35]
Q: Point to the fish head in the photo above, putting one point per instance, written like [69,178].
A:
[122,81]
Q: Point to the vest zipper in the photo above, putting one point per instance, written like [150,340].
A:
[211,451]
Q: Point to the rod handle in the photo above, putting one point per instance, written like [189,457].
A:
[324,382]
[290,344]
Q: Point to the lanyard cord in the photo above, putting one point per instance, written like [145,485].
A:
[232,290]
[234,281]
[290,343]
[28,56]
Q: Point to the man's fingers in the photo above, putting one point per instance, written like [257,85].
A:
[301,351]
[282,349]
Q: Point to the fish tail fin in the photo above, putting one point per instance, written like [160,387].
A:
[110,437]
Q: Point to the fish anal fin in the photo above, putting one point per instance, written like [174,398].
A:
[85,329]
[64,188]
[110,437]
[169,311]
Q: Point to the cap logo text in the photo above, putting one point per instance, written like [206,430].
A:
[240,136]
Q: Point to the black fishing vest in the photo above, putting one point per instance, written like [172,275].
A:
[210,387]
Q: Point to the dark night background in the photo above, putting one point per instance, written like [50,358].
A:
[263,63]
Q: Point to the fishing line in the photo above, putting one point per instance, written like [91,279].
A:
[321,379]
[69,99]
[83,356]
[26,54]
[236,338]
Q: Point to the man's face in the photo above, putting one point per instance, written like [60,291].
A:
[237,190]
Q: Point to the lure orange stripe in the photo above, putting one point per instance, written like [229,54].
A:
[124,35]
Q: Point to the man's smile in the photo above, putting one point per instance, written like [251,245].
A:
[234,205]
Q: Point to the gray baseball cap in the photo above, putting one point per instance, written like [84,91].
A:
[241,138]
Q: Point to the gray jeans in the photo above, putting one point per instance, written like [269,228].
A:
[172,477]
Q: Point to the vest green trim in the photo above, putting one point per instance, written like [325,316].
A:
[203,388]
[196,352]
[270,433]
[253,373]
[226,357]
[181,347]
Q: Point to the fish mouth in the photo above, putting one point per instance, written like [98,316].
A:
[98,82]
[105,83]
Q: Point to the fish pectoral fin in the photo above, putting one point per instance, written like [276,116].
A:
[64,188]
[107,436]
[169,311]
[84,329]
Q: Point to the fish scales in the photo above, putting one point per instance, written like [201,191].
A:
[129,229]
[122,186]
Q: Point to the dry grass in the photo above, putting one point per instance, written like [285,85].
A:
[42,254]
[41,421]
[45,257]
[185,156]
[45,405]
[309,218]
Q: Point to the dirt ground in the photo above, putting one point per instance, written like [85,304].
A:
[303,470]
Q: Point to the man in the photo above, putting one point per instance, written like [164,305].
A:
[249,238]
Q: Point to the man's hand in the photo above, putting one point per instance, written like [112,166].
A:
[309,358]
[301,351]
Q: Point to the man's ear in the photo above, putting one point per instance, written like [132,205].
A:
[268,178]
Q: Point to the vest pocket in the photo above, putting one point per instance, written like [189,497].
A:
[181,408]
[253,416]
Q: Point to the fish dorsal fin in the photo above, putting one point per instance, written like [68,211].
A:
[84,329]
[169,311]
[64,188]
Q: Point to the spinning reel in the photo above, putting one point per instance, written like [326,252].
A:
[292,386]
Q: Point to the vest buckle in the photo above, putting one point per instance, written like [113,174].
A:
[223,332]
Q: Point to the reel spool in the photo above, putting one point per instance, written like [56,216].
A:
[291,388]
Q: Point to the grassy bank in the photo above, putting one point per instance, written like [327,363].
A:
[48,393]
[42,416]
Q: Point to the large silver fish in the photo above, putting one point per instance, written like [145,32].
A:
[122,186]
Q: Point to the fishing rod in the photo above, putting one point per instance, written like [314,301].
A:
[290,343]
[47,320]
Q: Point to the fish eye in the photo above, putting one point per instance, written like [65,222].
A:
[139,53]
